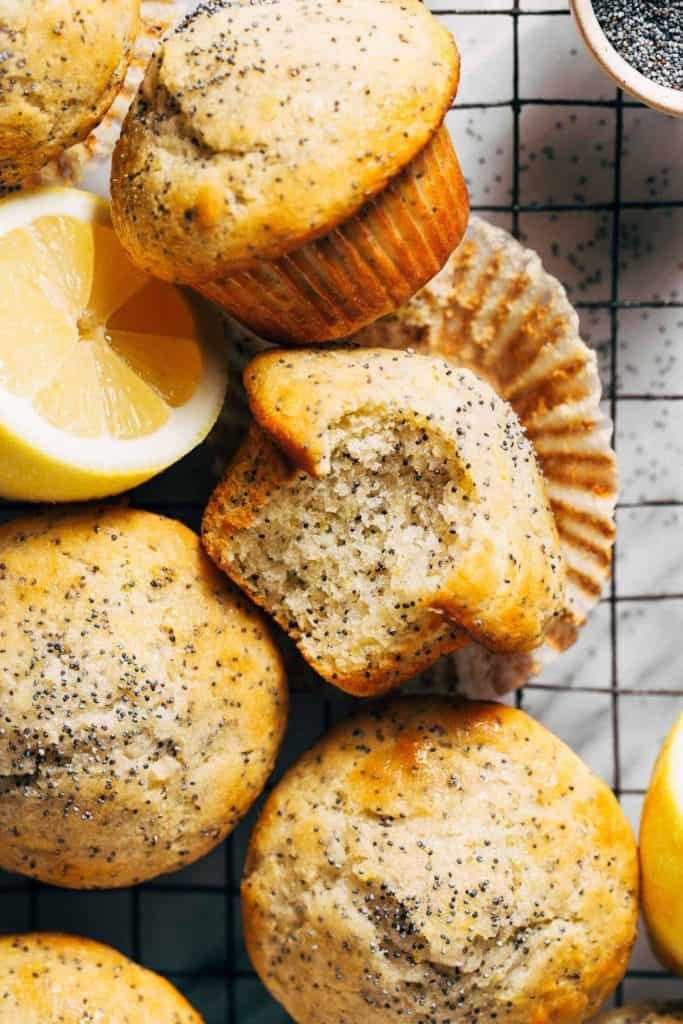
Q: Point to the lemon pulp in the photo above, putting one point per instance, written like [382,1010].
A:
[98,348]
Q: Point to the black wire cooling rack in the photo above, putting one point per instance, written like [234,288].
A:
[615,696]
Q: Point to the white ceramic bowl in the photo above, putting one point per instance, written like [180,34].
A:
[670,101]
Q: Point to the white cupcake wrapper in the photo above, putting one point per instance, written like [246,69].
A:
[494,309]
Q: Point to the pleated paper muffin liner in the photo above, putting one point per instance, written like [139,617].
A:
[494,309]
[363,269]
[87,163]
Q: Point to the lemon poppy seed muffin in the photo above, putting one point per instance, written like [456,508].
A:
[61,979]
[386,508]
[61,67]
[644,1013]
[288,158]
[143,702]
[439,862]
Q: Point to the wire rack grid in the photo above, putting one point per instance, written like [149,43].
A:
[595,182]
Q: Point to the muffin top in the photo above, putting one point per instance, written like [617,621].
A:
[644,1013]
[432,861]
[264,123]
[143,700]
[61,66]
[61,979]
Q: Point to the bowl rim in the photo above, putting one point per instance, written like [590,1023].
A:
[661,97]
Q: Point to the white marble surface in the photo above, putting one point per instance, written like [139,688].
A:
[188,926]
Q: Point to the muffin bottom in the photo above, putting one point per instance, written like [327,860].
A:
[363,269]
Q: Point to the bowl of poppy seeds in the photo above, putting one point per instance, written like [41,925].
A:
[639,43]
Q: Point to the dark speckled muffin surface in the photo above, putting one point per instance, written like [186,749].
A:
[143,701]
[435,862]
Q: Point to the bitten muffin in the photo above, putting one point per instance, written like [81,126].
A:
[385,508]
[61,979]
[61,67]
[143,700]
[644,1013]
[289,159]
[436,862]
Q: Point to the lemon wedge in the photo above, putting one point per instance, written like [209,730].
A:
[107,376]
[661,852]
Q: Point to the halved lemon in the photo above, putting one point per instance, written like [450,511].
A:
[107,376]
[661,852]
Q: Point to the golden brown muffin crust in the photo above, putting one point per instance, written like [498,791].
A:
[61,979]
[62,62]
[262,125]
[143,700]
[431,861]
